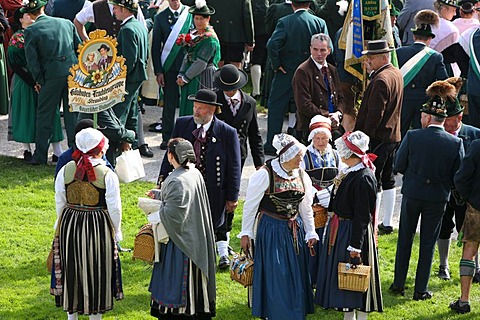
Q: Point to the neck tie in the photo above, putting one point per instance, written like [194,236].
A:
[329,91]
[176,14]
[234,106]
[200,138]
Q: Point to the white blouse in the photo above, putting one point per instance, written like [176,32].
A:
[259,183]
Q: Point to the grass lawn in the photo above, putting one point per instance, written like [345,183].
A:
[27,215]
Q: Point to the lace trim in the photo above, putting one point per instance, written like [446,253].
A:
[278,170]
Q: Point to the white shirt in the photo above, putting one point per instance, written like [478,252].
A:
[258,184]
[86,14]
[112,197]
[319,66]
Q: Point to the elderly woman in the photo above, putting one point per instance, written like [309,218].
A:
[349,235]
[183,281]
[321,162]
[279,201]
[89,215]
[201,58]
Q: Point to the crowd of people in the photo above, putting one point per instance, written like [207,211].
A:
[336,159]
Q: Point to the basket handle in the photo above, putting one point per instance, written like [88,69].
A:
[354,262]
[247,253]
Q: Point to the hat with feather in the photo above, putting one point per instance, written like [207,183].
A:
[454,107]
[440,93]
[201,8]
[424,20]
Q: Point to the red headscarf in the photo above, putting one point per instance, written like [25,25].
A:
[367,158]
[84,165]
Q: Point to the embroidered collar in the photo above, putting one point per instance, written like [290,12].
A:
[356,167]
[281,172]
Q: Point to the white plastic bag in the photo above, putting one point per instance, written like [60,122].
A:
[129,166]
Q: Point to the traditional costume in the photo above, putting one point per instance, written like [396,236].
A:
[86,273]
[279,203]
[351,229]
[200,62]
[183,280]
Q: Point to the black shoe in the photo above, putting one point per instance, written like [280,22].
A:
[443,273]
[157,128]
[32,162]
[164,145]
[27,155]
[153,125]
[223,262]
[395,290]
[382,230]
[422,295]
[146,151]
[257,97]
[54,158]
[291,131]
[455,306]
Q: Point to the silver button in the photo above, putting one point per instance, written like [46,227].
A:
[218,158]
[218,163]
[218,179]
[218,174]
[218,168]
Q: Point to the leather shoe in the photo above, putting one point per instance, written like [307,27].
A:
[146,151]
[382,230]
[395,290]
[27,155]
[223,262]
[32,162]
[153,125]
[443,273]
[476,277]
[455,306]
[157,128]
[422,295]
[164,145]
[54,158]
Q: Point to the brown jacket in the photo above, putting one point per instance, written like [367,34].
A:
[311,95]
[379,114]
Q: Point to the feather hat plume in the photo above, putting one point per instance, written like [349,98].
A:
[426,17]
[457,82]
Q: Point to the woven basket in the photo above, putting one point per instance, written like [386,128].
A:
[353,279]
[144,245]
[320,215]
[241,269]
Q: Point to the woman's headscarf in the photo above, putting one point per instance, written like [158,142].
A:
[89,142]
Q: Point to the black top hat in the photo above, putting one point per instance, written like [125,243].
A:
[33,5]
[131,5]
[104,46]
[451,3]
[201,8]
[424,29]
[436,106]
[377,47]
[229,78]
[205,96]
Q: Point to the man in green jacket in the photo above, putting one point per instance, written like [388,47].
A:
[50,49]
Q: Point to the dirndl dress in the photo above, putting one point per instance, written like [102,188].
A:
[86,273]
[281,282]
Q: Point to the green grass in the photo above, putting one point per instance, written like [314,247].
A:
[27,215]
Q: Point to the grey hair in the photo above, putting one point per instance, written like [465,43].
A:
[321,37]
[437,119]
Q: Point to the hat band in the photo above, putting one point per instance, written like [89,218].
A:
[284,149]
[229,83]
[351,146]
[317,125]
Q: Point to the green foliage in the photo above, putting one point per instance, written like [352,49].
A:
[27,212]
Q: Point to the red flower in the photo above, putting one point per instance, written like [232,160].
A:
[180,39]
[188,37]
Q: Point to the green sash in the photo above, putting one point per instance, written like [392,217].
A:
[413,66]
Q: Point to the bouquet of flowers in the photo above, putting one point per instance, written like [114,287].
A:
[184,40]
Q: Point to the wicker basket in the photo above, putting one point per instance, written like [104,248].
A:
[320,215]
[144,245]
[353,278]
[241,269]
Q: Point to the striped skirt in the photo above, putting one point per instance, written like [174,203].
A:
[328,295]
[86,273]
[179,289]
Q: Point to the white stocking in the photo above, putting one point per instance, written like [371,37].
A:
[349,315]
[388,206]
[256,73]
[72,316]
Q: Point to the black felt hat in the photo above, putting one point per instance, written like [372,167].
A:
[104,46]
[201,8]
[205,96]
[33,5]
[131,5]
[229,78]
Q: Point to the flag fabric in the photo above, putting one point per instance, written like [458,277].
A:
[375,14]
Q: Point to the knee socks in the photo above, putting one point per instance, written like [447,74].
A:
[292,119]
[443,250]
[57,149]
[26,147]
[467,268]
[72,316]
[256,73]
[95,316]
[222,248]
[388,206]
[377,205]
